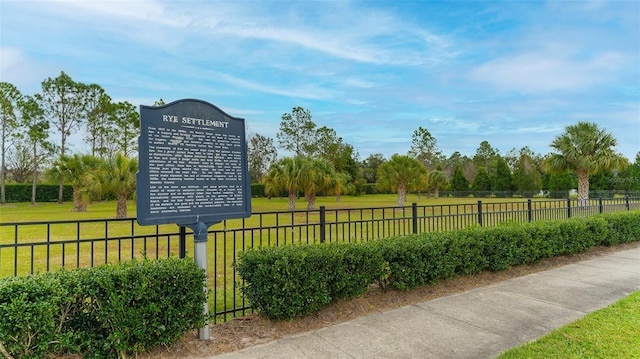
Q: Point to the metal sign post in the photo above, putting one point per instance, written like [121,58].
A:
[200,237]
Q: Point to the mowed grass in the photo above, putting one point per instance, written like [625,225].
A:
[612,332]
[25,212]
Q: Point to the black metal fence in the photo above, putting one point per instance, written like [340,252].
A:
[31,247]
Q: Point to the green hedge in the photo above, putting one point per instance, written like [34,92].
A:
[257,190]
[290,281]
[372,188]
[106,311]
[44,193]
[623,228]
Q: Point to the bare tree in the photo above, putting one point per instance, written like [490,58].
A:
[262,153]
[19,164]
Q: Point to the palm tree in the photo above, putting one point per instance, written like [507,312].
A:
[437,180]
[586,149]
[284,175]
[73,171]
[402,174]
[116,175]
[342,183]
[316,176]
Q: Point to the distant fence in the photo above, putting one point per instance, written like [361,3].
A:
[31,247]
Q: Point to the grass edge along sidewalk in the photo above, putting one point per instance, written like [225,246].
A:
[611,332]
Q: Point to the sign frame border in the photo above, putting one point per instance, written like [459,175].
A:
[143,208]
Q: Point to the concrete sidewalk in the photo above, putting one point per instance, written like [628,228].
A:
[480,323]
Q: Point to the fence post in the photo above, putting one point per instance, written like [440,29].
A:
[529,211]
[414,214]
[601,207]
[627,202]
[480,213]
[568,207]
[323,223]
[182,243]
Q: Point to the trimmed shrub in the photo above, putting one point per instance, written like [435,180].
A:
[416,260]
[105,311]
[623,227]
[355,268]
[290,281]
[287,281]
[144,304]
[465,252]
[30,315]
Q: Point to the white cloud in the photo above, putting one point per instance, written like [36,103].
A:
[360,34]
[455,125]
[308,91]
[357,102]
[24,72]
[334,46]
[544,71]
[358,82]
[121,10]
[549,128]
[242,111]
[10,58]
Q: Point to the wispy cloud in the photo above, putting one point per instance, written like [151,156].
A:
[306,91]
[548,71]
[371,36]
[23,71]
[147,11]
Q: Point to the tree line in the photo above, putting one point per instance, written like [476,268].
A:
[582,157]
[35,147]
[62,108]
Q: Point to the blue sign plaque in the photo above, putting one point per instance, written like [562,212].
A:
[193,165]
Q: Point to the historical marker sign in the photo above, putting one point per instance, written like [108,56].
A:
[193,165]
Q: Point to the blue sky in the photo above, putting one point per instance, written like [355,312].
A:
[511,73]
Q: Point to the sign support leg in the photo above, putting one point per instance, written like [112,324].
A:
[200,256]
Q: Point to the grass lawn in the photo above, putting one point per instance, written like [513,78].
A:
[24,212]
[612,332]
